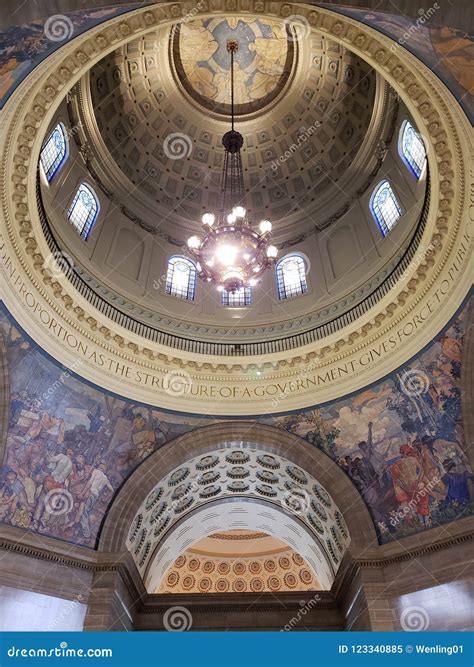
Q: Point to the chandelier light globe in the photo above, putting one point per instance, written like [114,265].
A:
[208,219]
[272,252]
[231,253]
[194,242]
[265,227]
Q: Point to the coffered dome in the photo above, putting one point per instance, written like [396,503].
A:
[321,130]
[309,111]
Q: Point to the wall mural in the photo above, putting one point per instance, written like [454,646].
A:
[445,50]
[25,46]
[70,445]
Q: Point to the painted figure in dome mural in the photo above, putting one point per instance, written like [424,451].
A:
[97,484]
[457,478]
[14,503]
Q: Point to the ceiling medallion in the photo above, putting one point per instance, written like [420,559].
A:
[231,254]
[263,64]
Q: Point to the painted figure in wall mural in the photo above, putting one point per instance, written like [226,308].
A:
[70,445]
[401,442]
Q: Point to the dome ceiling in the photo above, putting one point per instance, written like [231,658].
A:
[306,112]
[148,119]
[254,563]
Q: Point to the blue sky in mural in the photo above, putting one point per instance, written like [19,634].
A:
[25,46]
[71,445]
[447,51]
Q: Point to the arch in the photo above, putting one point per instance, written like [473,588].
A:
[181,278]
[249,514]
[291,276]
[385,207]
[54,152]
[84,210]
[269,439]
[411,149]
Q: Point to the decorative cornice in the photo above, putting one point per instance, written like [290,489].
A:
[229,536]
[205,339]
[122,563]
[412,554]
[201,603]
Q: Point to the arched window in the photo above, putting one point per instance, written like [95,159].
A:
[411,148]
[238,299]
[385,207]
[54,152]
[291,276]
[84,210]
[181,278]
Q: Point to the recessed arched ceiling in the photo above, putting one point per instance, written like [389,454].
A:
[238,561]
[235,488]
[312,94]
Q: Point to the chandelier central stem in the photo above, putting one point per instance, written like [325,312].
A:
[232,47]
[232,255]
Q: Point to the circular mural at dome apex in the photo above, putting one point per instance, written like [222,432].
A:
[263,62]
